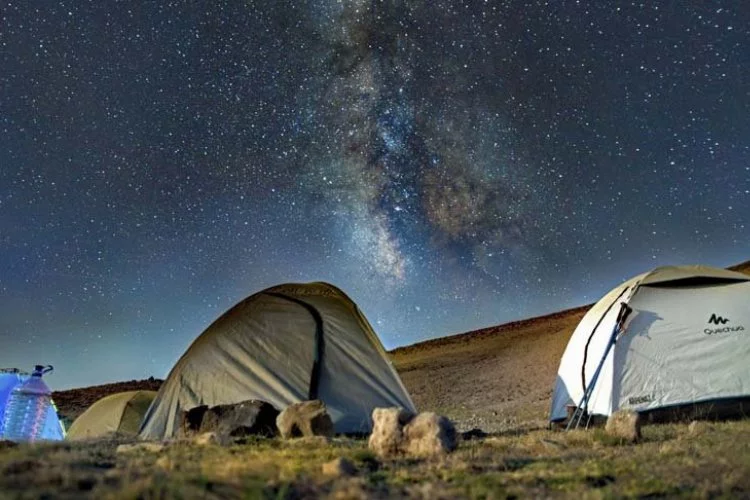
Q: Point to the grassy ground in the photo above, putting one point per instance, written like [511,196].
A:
[708,461]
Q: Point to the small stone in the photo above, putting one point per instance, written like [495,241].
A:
[164,462]
[552,444]
[5,444]
[309,418]
[339,467]
[210,438]
[475,433]
[429,434]
[351,488]
[625,424]
[134,448]
[697,428]
[387,430]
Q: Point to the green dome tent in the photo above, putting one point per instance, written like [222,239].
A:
[284,345]
[122,413]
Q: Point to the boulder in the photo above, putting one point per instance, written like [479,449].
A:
[190,421]
[250,417]
[387,431]
[428,435]
[305,419]
[339,467]
[624,424]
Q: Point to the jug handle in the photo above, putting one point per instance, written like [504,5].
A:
[47,369]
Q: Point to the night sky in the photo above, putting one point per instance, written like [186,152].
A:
[449,165]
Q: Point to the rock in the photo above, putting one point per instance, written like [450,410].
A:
[697,428]
[339,467]
[305,419]
[164,462]
[624,424]
[429,434]
[136,447]
[307,442]
[250,417]
[387,430]
[190,422]
[351,488]
[5,444]
[475,433]
[552,444]
[210,438]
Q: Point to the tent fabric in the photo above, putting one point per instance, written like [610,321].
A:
[284,345]
[122,413]
[10,378]
[685,342]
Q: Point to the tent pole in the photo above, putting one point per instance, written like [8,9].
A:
[582,407]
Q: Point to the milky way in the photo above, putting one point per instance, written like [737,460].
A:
[450,165]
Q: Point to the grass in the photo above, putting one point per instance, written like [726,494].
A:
[710,461]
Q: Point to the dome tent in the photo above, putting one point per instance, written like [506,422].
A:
[121,412]
[10,378]
[284,345]
[682,341]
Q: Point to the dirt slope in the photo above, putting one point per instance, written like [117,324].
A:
[495,378]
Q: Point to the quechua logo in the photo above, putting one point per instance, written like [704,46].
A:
[719,320]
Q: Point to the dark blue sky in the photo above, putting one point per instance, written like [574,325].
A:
[450,167]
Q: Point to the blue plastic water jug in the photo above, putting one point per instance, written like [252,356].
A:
[27,408]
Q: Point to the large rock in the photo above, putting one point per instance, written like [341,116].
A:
[190,421]
[387,431]
[428,435]
[305,419]
[624,424]
[250,417]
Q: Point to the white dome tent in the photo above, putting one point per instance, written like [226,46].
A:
[674,336]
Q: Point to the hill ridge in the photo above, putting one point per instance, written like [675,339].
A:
[496,329]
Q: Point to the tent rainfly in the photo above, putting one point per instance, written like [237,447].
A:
[9,379]
[684,339]
[121,413]
[284,345]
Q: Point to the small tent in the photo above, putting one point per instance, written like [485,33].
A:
[10,378]
[121,413]
[683,339]
[284,345]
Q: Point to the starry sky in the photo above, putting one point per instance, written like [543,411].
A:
[450,165]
